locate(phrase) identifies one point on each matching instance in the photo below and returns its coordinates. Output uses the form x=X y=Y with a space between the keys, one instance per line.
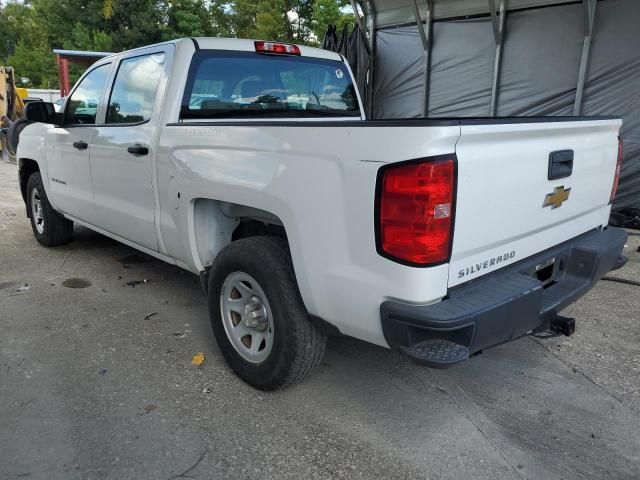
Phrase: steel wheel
x=246 y=316
x=36 y=211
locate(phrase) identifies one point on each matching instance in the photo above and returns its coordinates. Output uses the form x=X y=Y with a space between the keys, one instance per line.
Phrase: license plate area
x=549 y=271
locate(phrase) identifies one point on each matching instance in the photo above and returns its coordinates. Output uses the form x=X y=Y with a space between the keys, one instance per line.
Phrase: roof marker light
x=277 y=48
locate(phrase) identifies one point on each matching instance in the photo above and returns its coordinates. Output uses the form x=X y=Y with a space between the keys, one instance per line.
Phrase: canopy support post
x=371 y=25
x=426 y=39
x=362 y=26
x=63 y=75
x=589 y=21
x=368 y=33
x=498 y=33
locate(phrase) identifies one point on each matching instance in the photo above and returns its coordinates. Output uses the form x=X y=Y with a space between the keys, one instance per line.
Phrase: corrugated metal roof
x=398 y=12
x=81 y=55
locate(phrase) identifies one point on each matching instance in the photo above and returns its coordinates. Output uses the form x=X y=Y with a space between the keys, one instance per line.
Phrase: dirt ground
x=97 y=383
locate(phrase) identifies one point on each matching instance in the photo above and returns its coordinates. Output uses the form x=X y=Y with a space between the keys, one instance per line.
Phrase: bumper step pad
x=437 y=353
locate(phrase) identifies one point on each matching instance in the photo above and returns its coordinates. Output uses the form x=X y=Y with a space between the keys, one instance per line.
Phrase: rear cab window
x=226 y=84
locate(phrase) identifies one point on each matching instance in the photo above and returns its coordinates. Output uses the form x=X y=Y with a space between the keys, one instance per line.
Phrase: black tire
x=13 y=134
x=56 y=230
x=298 y=345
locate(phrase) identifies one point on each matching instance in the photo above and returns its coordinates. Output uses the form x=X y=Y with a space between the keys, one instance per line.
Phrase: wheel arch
x=26 y=168
x=213 y=224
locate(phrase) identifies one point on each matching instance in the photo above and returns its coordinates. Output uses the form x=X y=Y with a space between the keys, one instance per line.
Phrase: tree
x=242 y=16
x=13 y=17
x=31 y=29
x=302 y=21
x=330 y=12
x=188 y=18
x=272 y=21
x=220 y=18
x=27 y=47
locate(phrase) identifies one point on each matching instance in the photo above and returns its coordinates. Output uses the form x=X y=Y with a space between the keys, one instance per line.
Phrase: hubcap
x=247 y=317
x=36 y=211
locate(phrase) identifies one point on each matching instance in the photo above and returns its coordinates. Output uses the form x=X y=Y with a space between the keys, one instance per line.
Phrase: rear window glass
x=251 y=85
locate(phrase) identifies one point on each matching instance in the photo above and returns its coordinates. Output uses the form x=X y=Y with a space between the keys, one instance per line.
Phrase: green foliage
x=188 y=18
x=36 y=63
x=15 y=19
x=31 y=29
x=330 y=12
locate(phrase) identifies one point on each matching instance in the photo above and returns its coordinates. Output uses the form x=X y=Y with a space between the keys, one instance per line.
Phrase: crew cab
x=252 y=164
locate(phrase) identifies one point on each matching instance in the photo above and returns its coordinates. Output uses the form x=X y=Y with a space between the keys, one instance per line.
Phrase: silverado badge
x=557 y=198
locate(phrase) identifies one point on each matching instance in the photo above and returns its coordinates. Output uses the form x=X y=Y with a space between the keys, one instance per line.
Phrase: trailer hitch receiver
x=563 y=325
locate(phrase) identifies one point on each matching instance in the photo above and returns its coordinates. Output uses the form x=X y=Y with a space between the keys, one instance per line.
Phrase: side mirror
x=42 y=112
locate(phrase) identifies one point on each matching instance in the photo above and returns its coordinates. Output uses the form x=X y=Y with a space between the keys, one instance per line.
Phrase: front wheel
x=258 y=317
x=49 y=227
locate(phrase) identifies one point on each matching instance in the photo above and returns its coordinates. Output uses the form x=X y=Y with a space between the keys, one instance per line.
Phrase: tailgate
x=503 y=183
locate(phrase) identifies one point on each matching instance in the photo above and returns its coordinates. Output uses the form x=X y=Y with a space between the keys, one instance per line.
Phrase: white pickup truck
x=252 y=164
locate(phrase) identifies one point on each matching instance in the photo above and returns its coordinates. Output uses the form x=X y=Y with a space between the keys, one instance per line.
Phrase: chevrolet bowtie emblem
x=557 y=198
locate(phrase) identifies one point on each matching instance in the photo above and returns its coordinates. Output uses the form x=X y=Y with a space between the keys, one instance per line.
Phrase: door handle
x=80 y=145
x=560 y=164
x=138 y=149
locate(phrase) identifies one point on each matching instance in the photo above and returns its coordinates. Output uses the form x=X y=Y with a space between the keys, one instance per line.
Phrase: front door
x=122 y=156
x=70 y=146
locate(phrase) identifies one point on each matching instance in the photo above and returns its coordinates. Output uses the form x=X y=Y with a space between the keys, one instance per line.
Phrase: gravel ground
x=97 y=383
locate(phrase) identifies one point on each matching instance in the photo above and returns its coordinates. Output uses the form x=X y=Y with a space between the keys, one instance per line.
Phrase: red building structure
x=80 y=57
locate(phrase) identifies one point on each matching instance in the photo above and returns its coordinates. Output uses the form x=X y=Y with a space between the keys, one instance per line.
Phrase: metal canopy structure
x=80 y=57
x=374 y=15
x=401 y=12
x=479 y=58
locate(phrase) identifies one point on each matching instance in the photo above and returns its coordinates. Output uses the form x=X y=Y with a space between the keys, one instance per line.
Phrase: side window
x=83 y=103
x=134 y=89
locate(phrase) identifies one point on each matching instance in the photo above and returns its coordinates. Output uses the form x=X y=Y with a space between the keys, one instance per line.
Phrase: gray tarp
x=399 y=70
x=540 y=66
x=613 y=85
x=352 y=47
x=461 y=82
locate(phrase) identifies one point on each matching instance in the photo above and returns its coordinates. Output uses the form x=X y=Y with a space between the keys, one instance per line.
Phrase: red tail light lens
x=415 y=211
x=616 y=178
x=277 y=48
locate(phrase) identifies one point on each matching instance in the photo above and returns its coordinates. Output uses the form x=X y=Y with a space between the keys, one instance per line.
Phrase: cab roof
x=247 y=45
x=237 y=44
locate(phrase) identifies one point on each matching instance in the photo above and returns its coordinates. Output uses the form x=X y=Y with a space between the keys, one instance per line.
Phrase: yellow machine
x=11 y=97
x=22 y=92
x=11 y=104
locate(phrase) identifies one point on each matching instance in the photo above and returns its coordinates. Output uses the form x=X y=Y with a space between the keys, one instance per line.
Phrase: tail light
x=415 y=209
x=616 y=178
x=277 y=48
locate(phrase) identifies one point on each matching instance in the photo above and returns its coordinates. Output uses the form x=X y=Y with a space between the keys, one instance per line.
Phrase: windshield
x=252 y=85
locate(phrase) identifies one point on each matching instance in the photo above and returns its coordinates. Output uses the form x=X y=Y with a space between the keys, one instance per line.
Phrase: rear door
x=122 y=151
x=526 y=186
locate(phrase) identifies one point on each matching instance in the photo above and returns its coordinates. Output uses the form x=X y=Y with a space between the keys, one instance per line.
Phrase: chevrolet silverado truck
x=252 y=164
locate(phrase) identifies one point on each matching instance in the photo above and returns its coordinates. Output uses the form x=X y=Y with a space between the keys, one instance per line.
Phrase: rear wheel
x=49 y=227
x=258 y=317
